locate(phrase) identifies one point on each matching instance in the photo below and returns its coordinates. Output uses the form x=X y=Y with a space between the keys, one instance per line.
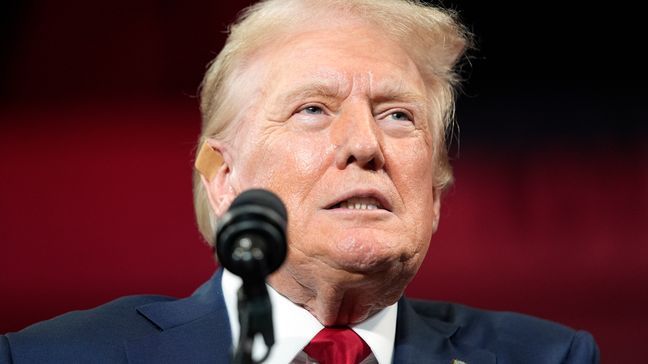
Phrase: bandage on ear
x=207 y=161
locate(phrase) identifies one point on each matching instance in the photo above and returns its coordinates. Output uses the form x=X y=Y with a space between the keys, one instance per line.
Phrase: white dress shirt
x=295 y=327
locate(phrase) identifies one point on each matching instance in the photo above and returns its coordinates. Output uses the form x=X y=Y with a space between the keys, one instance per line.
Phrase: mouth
x=361 y=202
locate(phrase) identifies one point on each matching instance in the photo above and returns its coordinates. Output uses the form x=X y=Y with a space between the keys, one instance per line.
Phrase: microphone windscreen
x=260 y=197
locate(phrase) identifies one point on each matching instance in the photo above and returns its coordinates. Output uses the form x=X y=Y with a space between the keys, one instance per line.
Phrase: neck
x=337 y=297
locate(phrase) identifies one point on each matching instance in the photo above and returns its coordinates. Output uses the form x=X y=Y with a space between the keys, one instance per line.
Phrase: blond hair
x=433 y=38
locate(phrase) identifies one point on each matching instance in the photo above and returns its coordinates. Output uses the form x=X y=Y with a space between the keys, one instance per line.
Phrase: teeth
x=360 y=203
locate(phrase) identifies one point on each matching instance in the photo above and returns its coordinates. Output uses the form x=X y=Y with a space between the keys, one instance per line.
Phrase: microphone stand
x=255 y=317
x=254 y=307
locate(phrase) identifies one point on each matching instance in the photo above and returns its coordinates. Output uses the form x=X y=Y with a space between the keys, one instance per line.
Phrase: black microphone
x=251 y=243
x=251 y=236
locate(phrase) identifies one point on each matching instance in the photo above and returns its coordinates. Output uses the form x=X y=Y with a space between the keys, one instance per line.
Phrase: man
x=339 y=107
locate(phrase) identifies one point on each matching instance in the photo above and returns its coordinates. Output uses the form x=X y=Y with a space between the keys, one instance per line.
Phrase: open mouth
x=360 y=203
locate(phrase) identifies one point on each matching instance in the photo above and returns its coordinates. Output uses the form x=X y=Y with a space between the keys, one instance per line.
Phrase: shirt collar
x=295 y=326
x=379 y=332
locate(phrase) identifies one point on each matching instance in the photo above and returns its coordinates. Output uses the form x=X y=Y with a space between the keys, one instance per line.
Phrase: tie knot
x=335 y=345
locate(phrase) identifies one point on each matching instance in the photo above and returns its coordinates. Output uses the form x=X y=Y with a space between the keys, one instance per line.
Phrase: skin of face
x=332 y=115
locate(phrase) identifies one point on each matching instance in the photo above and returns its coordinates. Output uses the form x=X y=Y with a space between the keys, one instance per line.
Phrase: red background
x=98 y=125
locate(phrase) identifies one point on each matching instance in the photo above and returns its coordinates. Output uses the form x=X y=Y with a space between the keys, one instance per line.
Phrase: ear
x=436 y=209
x=213 y=165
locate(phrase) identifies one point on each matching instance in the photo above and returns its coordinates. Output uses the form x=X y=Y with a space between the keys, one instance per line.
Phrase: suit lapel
x=192 y=330
x=197 y=330
x=427 y=339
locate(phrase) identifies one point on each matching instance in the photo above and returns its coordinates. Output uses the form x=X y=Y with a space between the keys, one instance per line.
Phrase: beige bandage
x=207 y=161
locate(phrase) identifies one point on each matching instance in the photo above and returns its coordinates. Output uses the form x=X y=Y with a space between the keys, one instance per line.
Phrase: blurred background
x=549 y=214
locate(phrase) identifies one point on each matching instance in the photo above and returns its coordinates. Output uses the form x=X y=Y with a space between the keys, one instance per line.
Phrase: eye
x=312 y=110
x=312 y=115
x=400 y=116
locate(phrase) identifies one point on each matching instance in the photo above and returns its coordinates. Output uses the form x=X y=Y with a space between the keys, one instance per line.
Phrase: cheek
x=413 y=176
x=415 y=171
x=302 y=162
x=306 y=156
x=286 y=163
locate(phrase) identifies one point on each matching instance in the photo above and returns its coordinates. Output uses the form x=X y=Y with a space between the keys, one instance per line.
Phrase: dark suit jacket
x=157 y=329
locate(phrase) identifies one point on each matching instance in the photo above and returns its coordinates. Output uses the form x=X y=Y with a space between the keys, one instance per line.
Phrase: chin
x=360 y=255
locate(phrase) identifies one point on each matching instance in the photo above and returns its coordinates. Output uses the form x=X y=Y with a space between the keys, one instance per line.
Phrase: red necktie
x=337 y=345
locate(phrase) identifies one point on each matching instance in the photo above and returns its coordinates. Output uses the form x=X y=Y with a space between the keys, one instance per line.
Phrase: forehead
x=338 y=58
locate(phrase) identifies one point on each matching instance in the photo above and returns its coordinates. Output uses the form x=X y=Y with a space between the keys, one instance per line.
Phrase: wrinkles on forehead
x=334 y=87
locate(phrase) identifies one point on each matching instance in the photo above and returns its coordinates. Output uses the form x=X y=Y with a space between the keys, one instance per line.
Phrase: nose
x=359 y=139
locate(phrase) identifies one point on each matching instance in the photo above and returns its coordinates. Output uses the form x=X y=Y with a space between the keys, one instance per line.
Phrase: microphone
x=251 y=243
x=251 y=236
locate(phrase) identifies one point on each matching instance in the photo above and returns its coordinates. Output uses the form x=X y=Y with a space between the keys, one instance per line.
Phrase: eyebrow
x=317 y=88
x=388 y=92
x=396 y=92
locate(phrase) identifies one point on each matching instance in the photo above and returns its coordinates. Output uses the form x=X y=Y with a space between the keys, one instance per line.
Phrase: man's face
x=338 y=127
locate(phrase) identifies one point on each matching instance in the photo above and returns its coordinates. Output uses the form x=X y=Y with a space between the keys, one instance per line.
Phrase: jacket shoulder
x=512 y=337
x=82 y=335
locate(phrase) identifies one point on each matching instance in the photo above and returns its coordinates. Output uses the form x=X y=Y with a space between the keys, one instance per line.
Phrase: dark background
x=549 y=215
